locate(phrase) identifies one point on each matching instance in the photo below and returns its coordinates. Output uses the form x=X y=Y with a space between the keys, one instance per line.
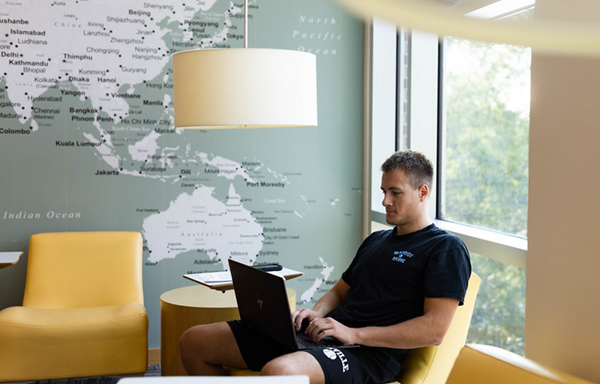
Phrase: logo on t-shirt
x=334 y=353
x=401 y=256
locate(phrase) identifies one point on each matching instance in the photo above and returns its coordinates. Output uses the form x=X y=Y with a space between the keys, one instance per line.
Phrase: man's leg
x=297 y=363
x=206 y=348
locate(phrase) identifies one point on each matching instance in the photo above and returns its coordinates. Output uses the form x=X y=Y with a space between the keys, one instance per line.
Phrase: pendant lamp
x=244 y=87
x=572 y=30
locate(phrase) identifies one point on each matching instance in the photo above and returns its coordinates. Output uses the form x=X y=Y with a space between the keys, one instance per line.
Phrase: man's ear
x=423 y=192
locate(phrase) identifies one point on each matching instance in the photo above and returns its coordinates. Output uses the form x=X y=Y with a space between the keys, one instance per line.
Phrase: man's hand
x=329 y=301
x=320 y=328
x=303 y=315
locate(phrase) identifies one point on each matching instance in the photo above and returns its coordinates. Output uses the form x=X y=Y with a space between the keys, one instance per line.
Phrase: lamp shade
x=573 y=31
x=244 y=88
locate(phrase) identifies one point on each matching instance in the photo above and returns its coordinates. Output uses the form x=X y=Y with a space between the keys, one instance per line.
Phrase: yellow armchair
x=428 y=365
x=432 y=365
x=83 y=309
x=478 y=364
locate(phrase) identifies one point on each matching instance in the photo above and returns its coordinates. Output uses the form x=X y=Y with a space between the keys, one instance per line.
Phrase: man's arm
x=421 y=331
x=329 y=301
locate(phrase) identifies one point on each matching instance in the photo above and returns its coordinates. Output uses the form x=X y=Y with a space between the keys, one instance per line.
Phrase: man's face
x=403 y=204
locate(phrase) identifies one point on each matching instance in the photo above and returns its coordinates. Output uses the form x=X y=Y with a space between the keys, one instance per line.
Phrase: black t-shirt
x=391 y=275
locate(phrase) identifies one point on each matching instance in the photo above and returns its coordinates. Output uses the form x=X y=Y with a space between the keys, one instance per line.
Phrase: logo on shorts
x=334 y=353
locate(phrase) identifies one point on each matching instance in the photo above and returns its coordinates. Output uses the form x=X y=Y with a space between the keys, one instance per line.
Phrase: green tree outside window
x=486 y=166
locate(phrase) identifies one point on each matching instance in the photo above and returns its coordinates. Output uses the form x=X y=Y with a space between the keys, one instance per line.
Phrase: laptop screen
x=263 y=303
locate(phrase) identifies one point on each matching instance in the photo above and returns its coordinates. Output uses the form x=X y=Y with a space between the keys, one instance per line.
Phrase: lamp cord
x=245 y=23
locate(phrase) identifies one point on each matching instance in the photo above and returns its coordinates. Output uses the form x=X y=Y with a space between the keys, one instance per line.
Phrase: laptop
x=263 y=304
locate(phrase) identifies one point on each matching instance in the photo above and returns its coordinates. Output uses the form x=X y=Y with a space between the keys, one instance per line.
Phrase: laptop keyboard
x=305 y=342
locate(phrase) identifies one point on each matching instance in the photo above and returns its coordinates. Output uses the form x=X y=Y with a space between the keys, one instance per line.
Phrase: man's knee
x=188 y=337
x=192 y=342
x=279 y=367
x=298 y=363
x=205 y=348
x=188 y=343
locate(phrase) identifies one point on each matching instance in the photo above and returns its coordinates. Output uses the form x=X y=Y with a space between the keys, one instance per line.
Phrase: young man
x=399 y=293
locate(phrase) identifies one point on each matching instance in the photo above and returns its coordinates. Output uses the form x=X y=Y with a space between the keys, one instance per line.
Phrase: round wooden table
x=182 y=308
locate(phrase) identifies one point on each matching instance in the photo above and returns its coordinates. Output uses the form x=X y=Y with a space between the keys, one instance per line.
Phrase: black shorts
x=344 y=365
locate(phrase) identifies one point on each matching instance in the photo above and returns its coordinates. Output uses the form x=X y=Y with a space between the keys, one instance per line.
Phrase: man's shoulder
x=383 y=233
x=437 y=231
x=441 y=237
x=377 y=237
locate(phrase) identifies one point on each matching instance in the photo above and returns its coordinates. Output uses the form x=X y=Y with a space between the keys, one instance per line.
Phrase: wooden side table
x=185 y=307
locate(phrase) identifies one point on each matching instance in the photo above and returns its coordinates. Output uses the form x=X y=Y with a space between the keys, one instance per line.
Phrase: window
x=485 y=131
x=499 y=314
x=483 y=172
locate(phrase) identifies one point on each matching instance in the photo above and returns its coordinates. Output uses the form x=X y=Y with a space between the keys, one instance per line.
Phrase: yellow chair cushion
x=74 y=342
